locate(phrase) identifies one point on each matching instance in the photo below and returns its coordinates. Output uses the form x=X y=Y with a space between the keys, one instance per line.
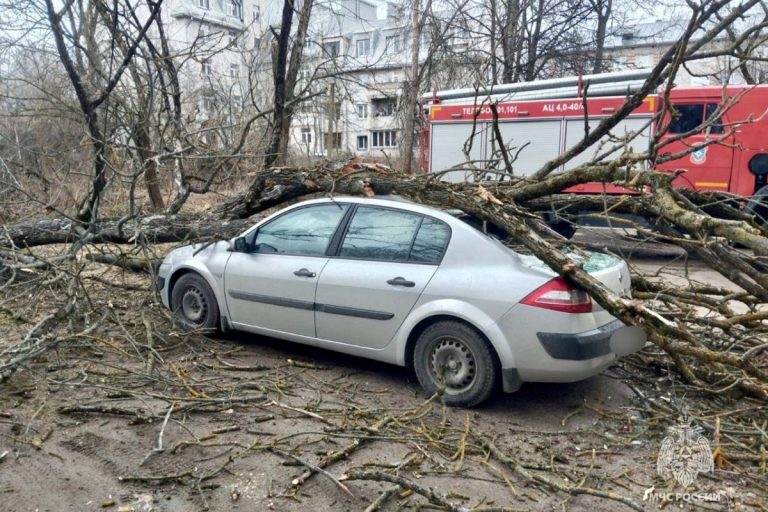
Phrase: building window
x=644 y=61
x=206 y=69
x=208 y=104
x=306 y=136
x=331 y=48
x=233 y=42
x=426 y=39
x=383 y=107
x=232 y=8
x=363 y=47
x=393 y=44
x=204 y=4
x=362 y=110
x=461 y=33
x=256 y=12
x=362 y=142
x=203 y=32
x=336 y=140
x=256 y=41
x=234 y=70
x=384 y=139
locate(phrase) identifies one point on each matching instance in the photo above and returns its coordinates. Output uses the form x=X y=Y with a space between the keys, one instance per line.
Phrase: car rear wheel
x=194 y=304
x=455 y=358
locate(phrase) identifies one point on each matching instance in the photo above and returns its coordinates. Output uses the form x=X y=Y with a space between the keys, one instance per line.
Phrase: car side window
x=430 y=242
x=304 y=232
x=380 y=234
x=687 y=118
x=717 y=126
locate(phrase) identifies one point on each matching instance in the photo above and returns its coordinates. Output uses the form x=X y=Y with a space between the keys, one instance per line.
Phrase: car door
x=272 y=285
x=384 y=262
x=709 y=166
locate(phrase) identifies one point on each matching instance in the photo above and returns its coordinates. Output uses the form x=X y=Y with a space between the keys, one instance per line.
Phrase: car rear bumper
x=579 y=346
x=553 y=347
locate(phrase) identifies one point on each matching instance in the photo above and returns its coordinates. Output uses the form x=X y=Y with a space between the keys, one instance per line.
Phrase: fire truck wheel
x=757 y=205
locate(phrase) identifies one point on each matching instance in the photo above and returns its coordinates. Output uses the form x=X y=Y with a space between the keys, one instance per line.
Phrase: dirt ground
x=139 y=418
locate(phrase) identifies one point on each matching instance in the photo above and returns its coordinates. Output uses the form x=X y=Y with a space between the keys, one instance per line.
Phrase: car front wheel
x=194 y=304
x=455 y=358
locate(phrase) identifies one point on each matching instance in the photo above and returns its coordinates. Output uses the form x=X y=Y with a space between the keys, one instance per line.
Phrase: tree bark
x=510 y=37
x=409 y=106
x=284 y=76
x=603 y=10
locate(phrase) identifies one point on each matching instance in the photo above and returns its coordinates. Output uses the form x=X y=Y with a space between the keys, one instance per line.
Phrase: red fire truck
x=540 y=120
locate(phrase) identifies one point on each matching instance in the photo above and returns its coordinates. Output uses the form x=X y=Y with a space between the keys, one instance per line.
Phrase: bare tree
x=92 y=95
x=285 y=72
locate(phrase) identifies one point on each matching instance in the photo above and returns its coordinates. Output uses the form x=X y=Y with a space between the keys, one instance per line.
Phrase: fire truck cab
x=737 y=160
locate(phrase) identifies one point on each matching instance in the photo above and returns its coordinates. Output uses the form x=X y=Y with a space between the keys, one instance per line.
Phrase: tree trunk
x=510 y=37
x=279 y=68
x=603 y=11
x=285 y=75
x=144 y=148
x=410 y=98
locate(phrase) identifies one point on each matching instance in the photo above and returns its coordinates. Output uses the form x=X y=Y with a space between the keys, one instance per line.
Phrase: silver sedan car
x=405 y=284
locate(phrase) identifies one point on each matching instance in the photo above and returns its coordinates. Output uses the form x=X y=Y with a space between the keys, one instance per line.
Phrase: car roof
x=389 y=201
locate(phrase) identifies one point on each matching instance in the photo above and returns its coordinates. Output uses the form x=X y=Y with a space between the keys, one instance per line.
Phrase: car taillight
x=558 y=295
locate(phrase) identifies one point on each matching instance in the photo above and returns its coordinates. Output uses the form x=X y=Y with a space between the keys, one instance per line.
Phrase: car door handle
x=302 y=272
x=401 y=281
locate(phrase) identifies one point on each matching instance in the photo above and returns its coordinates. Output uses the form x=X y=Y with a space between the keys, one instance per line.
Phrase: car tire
x=194 y=305
x=454 y=358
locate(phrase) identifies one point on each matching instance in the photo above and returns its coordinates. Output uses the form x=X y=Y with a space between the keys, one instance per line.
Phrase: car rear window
x=487 y=228
x=380 y=234
x=391 y=235
x=430 y=241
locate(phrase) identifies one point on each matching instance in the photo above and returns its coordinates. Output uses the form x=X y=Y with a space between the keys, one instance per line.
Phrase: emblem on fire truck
x=699 y=156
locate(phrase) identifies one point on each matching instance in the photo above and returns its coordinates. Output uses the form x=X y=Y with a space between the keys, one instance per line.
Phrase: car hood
x=186 y=252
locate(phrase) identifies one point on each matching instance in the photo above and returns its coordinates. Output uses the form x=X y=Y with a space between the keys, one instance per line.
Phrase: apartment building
x=213 y=40
x=360 y=60
x=642 y=45
x=351 y=50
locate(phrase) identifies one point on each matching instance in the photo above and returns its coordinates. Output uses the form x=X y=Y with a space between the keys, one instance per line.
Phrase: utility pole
x=331 y=119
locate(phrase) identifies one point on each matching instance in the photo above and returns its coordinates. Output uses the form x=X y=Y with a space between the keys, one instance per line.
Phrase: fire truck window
x=688 y=117
x=717 y=126
x=758 y=164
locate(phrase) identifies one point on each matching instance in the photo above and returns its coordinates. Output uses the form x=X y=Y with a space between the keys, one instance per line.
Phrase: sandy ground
x=244 y=408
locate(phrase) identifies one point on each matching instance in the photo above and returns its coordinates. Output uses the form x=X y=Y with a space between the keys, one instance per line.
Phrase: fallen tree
x=70 y=317
x=691 y=341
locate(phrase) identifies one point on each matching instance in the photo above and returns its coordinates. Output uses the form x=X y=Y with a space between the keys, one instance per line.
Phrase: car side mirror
x=241 y=244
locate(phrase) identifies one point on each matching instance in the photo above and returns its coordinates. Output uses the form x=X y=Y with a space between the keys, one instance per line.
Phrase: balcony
x=192 y=10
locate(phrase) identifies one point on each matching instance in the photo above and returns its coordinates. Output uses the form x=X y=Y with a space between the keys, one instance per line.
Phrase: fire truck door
x=707 y=166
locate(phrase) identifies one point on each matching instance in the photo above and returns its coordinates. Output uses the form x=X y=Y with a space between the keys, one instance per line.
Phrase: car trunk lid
x=609 y=270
